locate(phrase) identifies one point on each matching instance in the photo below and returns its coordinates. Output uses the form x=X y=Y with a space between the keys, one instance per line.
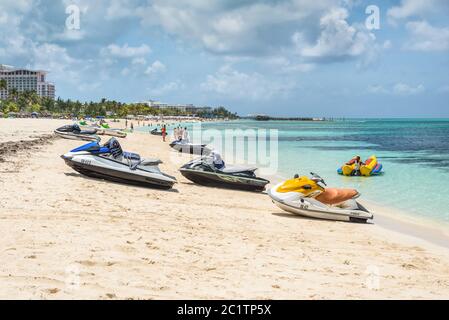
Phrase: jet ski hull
x=156 y=133
x=108 y=169
x=311 y=208
x=111 y=132
x=190 y=148
x=223 y=180
x=74 y=136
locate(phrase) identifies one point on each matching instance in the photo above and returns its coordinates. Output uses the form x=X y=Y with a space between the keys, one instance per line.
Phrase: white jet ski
x=310 y=198
x=191 y=148
x=110 y=162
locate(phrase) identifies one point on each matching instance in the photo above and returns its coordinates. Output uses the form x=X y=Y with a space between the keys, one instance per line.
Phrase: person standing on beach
x=164 y=132
x=132 y=127
x=185 y=135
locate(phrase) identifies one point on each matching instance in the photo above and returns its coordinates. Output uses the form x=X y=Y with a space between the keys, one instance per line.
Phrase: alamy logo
x=73 y=21
x=372 y=22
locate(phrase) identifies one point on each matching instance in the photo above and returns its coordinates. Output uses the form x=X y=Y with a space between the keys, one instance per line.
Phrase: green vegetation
x=29 y=101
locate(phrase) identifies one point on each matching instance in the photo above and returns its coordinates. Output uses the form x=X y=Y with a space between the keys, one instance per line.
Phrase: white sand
x=65 y=236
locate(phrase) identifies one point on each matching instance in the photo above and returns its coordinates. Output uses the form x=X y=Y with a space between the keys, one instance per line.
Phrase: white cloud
x=156 y=67
x=405 y=89
x=235 y=28
x=125 y=72
x=238 y=85
x=399 y=88
x=337 y=40
x=425 y=37
x=408 y=8
x=283 y=65
x=377 y=89
x=166 y=88
x=415 y=8
x=126 y=51
x=139 y=60
x=118 y=9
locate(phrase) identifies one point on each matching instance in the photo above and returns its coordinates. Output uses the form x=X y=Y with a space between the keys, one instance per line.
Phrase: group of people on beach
x=181 y=133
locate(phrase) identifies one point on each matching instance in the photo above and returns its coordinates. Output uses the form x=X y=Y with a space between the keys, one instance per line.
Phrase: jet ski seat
x=74 y=128
x=238 y=169
x=333 y=196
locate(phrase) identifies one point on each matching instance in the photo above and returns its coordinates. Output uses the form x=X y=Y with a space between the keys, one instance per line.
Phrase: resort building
x=25 y=80
x=187 y=108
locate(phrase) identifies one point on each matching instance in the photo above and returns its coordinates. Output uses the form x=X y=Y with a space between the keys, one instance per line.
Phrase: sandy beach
x=65 y=236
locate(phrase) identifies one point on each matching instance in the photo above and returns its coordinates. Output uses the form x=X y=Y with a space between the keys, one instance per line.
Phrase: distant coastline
x=271 y=118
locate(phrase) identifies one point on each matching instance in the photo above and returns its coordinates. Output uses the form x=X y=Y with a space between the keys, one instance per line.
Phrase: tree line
x=30 y=101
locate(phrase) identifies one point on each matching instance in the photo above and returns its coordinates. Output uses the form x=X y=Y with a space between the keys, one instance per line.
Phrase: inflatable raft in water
x=371 y=167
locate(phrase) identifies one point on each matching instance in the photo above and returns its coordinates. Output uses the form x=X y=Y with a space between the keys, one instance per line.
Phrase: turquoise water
x=414 y=154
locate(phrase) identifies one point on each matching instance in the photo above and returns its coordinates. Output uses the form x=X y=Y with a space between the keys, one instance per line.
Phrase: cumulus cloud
x=425 y=37
x=235 y=27
x=405 y=89
x=127 y=51
x=155 y=67
x=376 y=89
x=166 y=88
x=400 y=88
x=239 y=85
x=410 y=8
x=337 y=39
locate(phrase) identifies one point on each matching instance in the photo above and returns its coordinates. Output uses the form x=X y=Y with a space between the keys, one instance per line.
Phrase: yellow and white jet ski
x=310 y=197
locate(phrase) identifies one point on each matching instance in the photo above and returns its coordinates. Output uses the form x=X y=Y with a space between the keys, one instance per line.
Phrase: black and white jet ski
x=310 y=197
x=110 y=162
x=155 y=132
x=203 y=171
x=74 y=132
x=190 y=148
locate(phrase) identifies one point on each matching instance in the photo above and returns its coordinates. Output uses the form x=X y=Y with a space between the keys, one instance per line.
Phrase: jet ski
x=310 y=197
x=110 y=162
x=191 y=148
x=110 y=132
x=74 y=132
x=104 y=129
x=203 y=171
x=155 y=132
x=371 y=167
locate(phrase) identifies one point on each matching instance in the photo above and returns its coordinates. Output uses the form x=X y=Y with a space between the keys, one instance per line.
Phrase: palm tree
x=14 y=93
x=3 y=84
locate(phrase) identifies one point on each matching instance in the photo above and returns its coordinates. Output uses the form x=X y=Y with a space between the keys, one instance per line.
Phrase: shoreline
x=391 y=218
x=138 y=243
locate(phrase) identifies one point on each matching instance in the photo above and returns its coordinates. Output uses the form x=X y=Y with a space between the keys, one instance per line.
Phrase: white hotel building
x=25 y=80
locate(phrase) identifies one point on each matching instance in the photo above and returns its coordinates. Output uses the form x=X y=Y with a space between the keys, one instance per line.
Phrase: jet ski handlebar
x=317 y=178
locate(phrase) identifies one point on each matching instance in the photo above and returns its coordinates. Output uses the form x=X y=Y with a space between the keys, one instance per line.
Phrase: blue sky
x=285 y=57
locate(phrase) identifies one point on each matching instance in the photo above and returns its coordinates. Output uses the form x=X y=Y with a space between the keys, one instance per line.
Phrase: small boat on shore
x=156 y=132
x=74 y=132
x=191 y=148
x=202 y=171
x=111 y=132
x=309 y=197
x=110 y=162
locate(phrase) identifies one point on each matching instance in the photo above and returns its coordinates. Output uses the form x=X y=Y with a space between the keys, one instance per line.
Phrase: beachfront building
x=185 y=108
x=25 y=80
